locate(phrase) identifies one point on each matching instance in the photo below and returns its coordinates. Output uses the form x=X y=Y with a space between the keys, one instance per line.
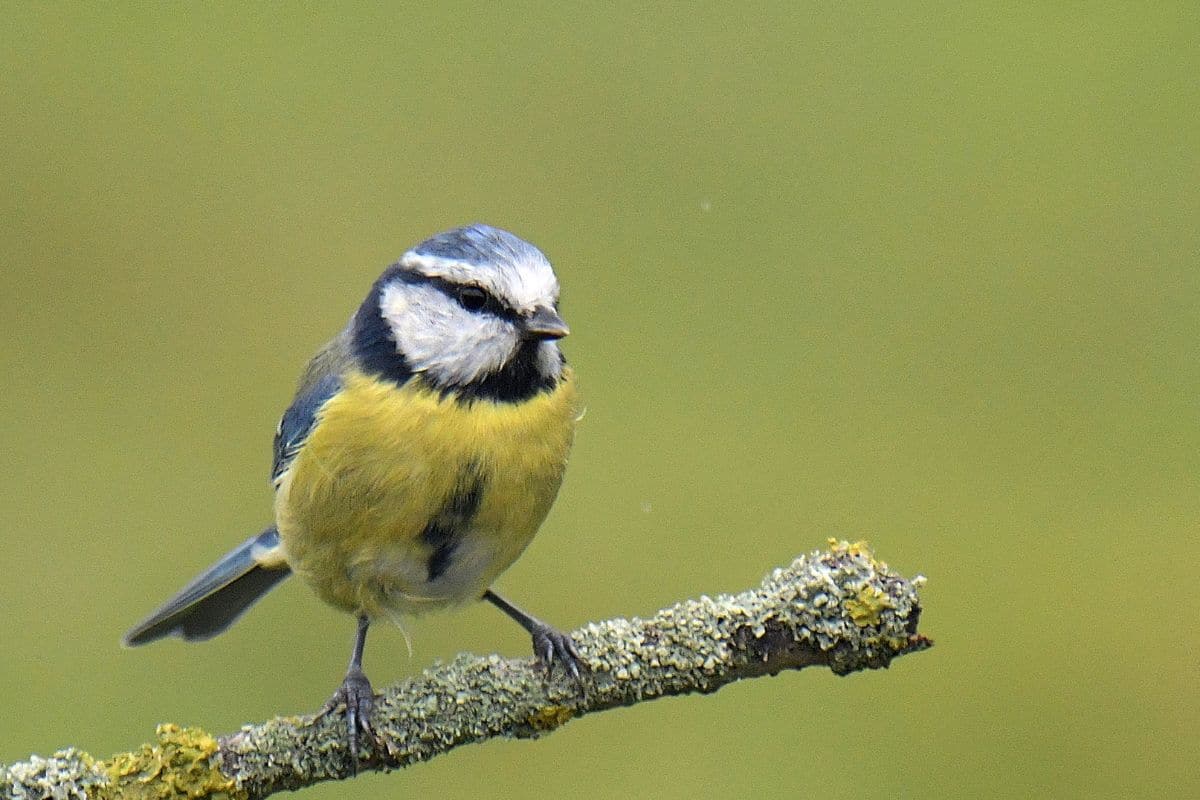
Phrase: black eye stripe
x=455 y=291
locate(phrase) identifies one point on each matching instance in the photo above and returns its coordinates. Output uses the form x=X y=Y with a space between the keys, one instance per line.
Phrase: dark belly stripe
x=444 y=532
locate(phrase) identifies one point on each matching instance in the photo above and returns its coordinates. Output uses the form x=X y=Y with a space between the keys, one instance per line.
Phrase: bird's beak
x=545 y=323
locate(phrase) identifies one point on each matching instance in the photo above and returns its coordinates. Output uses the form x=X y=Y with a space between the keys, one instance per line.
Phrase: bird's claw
x=550 y=645
x=356 y=696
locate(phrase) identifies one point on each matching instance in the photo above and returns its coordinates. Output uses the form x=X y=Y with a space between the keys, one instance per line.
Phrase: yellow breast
x=404 y=500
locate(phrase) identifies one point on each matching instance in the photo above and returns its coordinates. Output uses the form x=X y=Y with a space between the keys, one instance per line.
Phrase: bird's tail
x=219 y=595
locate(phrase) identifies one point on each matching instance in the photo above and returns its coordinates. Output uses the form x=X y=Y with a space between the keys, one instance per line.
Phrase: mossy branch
x=840 y=608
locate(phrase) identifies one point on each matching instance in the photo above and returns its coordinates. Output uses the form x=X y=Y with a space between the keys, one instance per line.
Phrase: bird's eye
x=472 y=298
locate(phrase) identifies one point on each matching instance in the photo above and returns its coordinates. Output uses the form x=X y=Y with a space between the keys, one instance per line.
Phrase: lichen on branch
x=840 y=608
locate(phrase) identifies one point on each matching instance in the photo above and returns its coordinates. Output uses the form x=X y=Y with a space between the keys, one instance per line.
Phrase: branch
x=841 y=609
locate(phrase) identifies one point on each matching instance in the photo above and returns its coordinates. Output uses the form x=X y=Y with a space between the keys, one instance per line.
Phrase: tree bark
x=840 y=608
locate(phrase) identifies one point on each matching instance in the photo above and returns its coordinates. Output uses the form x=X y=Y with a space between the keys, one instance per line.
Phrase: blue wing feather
x=298 y=421
x=223 y=592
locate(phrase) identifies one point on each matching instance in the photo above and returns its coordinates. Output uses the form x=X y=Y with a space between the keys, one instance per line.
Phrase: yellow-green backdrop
x=927 y=274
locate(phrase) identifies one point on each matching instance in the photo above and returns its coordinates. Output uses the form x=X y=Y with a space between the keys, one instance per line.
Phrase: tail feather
x=219 y=595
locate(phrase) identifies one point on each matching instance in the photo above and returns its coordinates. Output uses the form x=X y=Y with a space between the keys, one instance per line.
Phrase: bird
x=422 y=451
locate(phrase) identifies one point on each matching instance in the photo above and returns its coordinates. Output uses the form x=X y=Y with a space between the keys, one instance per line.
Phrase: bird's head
x=473 y=311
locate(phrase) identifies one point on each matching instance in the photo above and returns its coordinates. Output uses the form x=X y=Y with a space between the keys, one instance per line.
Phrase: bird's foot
x=356 y=696
x=551 y=644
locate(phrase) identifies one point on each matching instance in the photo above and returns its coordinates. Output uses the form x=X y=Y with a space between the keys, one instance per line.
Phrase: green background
x=927 y=275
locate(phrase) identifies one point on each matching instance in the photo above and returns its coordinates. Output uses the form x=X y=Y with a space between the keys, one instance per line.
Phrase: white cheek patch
x=438 y=336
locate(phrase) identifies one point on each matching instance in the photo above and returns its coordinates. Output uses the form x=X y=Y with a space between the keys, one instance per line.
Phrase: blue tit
x=423 y=449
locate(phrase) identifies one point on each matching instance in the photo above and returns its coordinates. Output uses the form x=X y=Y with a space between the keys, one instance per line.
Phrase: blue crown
x=479 y=244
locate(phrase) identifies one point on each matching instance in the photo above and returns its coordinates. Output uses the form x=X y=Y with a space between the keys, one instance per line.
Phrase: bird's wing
x=321 y=381
x=298 y=420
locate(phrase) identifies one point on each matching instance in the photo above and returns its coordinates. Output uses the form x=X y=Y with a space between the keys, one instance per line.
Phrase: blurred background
x=927 y=277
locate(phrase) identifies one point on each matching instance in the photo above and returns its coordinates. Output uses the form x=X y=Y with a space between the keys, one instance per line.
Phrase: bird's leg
x=355 y=695
x=549 y=643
